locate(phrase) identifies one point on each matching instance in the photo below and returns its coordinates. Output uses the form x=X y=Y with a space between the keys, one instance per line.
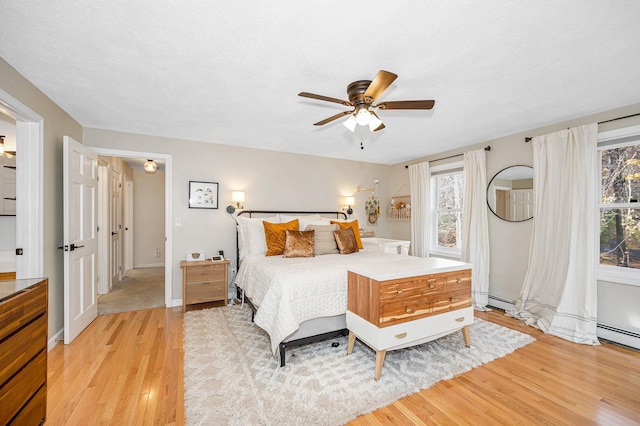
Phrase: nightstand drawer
x=206 y=292
x=198 y=274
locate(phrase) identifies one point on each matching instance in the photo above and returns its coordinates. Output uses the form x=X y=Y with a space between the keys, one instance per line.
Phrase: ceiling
x=229 y=72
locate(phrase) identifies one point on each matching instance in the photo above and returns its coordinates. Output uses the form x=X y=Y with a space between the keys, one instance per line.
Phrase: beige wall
x=57 y=123
x=271 y=181
x=148 y=219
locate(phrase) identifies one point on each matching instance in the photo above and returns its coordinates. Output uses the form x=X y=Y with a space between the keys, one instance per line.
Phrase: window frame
x=626 y=136
x=434 y=248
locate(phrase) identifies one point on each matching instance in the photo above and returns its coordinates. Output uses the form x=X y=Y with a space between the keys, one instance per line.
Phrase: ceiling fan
x=362 y=95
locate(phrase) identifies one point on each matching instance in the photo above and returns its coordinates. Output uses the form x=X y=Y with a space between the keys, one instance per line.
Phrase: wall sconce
x=349 y=201
x=150 y=166
x=237 y=197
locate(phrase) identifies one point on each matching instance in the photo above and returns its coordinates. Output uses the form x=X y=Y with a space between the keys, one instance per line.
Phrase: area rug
x=231 y=377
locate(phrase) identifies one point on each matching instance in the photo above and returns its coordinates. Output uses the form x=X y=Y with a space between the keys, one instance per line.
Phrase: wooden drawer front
x=24 y=307
x=458 y=279
x=414 y=287
x=35 y=411
x=450 y=301
x=404 y=309
x=198 y=274
x=17 y=392
x=19 y=348
x=206 y=292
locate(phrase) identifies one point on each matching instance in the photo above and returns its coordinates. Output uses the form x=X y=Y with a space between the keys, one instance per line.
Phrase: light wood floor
x=126 y=369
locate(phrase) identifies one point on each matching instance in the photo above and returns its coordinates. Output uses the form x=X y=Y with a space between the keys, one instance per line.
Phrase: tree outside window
x=620 y=207
x=449 y=188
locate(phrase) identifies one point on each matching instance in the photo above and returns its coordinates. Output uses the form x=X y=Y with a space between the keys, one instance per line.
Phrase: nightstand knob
x=399 y=292
x=459 y=280
x=432 y=286
x=408 y=310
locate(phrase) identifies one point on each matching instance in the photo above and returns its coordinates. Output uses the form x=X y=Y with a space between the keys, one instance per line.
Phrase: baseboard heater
x=613 y=334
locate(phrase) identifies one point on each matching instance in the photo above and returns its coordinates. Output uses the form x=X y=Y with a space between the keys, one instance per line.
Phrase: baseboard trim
x=58 y=337
x=174 y=303
x=619 y=336
x=149 y=265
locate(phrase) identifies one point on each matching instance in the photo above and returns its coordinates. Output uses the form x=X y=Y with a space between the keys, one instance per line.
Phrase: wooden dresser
x=395 y=305
x=204 y=281
x=23 y=351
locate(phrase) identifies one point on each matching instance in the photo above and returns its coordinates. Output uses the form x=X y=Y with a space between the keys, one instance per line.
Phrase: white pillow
x=305 y=220
x=251 y=238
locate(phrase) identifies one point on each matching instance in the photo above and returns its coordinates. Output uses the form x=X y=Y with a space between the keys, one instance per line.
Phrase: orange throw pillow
x=276 y=237
x=353 y=225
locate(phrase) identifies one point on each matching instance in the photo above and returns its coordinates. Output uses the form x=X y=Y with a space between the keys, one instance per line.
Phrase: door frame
x=168 y=218
x=29 y=184
x=127 y=222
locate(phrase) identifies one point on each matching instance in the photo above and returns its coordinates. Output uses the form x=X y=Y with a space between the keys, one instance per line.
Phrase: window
x=619 y=247
x=447 y=188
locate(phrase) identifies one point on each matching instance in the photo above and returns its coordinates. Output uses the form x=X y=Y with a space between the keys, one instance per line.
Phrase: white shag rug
x=230 y=376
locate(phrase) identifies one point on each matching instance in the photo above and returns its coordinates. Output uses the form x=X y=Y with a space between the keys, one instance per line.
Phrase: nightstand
x=204 y=281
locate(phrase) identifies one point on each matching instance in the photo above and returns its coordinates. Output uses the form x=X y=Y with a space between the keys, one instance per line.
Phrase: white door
x=116 y=226
x=80 y=239
x=521 y=204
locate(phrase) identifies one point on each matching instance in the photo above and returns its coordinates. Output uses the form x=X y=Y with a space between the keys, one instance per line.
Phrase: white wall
x=271 y=180
x=148 y=219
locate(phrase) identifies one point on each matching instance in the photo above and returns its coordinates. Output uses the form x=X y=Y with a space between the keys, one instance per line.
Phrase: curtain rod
x=486 y=148
x=528 y=139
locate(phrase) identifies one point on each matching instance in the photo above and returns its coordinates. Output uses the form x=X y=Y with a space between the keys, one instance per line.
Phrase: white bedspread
x=289 y=291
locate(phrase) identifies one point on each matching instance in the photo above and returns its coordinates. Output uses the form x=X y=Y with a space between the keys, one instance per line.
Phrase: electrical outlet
x=157 y=252
x=233 y=271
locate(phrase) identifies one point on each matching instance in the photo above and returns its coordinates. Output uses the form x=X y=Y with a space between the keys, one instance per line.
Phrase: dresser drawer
x=404 y=309
x=206 y=292
x=198 y=274
x=20 y=347
x=450 y=300
x=414 y=287
x=24 y=307
x=15 y=394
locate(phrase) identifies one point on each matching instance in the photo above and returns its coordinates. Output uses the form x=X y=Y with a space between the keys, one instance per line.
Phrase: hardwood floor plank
x=127 y=368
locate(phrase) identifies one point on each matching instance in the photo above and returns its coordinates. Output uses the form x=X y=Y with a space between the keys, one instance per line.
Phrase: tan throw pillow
x=275 y=235
x=346 y=240
x=324 y=242
x=353 y=225
x=298 y=244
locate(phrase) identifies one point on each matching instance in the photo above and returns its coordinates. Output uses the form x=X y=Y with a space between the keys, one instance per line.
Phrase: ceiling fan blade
x=378 y=85
x=406 y=105
x=324 y=98
x=381 y=126
x=333 y=117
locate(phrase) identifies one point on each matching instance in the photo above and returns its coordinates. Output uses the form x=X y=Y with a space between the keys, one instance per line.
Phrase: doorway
x=134 y=211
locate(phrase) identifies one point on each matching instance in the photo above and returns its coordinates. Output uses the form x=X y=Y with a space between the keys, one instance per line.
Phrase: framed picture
x=203 y=195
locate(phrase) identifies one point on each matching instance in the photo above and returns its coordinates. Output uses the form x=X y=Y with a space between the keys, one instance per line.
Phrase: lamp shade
x=350 y=123
x=349 y=201
x=237 y=196
x=150 y=166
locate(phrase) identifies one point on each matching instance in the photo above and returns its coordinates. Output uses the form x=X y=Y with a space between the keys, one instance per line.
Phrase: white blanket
x=289 y=291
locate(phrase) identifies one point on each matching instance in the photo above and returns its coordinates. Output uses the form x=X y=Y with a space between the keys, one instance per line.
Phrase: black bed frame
x=306 y=340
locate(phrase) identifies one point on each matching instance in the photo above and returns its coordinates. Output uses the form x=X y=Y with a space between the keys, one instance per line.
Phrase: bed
x=296 y=300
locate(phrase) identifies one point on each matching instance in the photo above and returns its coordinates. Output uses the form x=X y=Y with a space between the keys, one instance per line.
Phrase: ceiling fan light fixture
x=363 y=116
x=2 y=144
x=351 y=123
x=150 y=166
x=374 y=123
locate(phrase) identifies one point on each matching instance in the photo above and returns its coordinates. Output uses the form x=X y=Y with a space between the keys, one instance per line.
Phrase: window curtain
x=559 y=291
x=475 y=226
x=419 y=181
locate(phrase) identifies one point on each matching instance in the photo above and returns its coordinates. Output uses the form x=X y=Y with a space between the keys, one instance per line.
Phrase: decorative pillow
x=353 y=225
x=324 y=241
x=298 y=244
x=346 y=240
x=275 y=235
x=306 y=220
x=251 y=235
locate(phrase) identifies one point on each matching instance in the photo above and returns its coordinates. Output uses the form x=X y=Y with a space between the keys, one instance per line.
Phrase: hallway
x=141 y=288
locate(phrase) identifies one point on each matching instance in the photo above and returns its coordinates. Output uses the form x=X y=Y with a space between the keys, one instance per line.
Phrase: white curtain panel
x=559 y=291
x=419 y=188
x=475 y=226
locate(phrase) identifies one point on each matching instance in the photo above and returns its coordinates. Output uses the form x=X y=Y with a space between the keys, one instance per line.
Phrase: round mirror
x=510 y=194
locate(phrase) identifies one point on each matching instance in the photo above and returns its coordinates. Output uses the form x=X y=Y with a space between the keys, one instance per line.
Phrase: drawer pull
x=399 y=292
x=401 y=335
x=459 y=280
x=460 y=319
x=408 y=310
x=453 y=299
x=432 y=286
